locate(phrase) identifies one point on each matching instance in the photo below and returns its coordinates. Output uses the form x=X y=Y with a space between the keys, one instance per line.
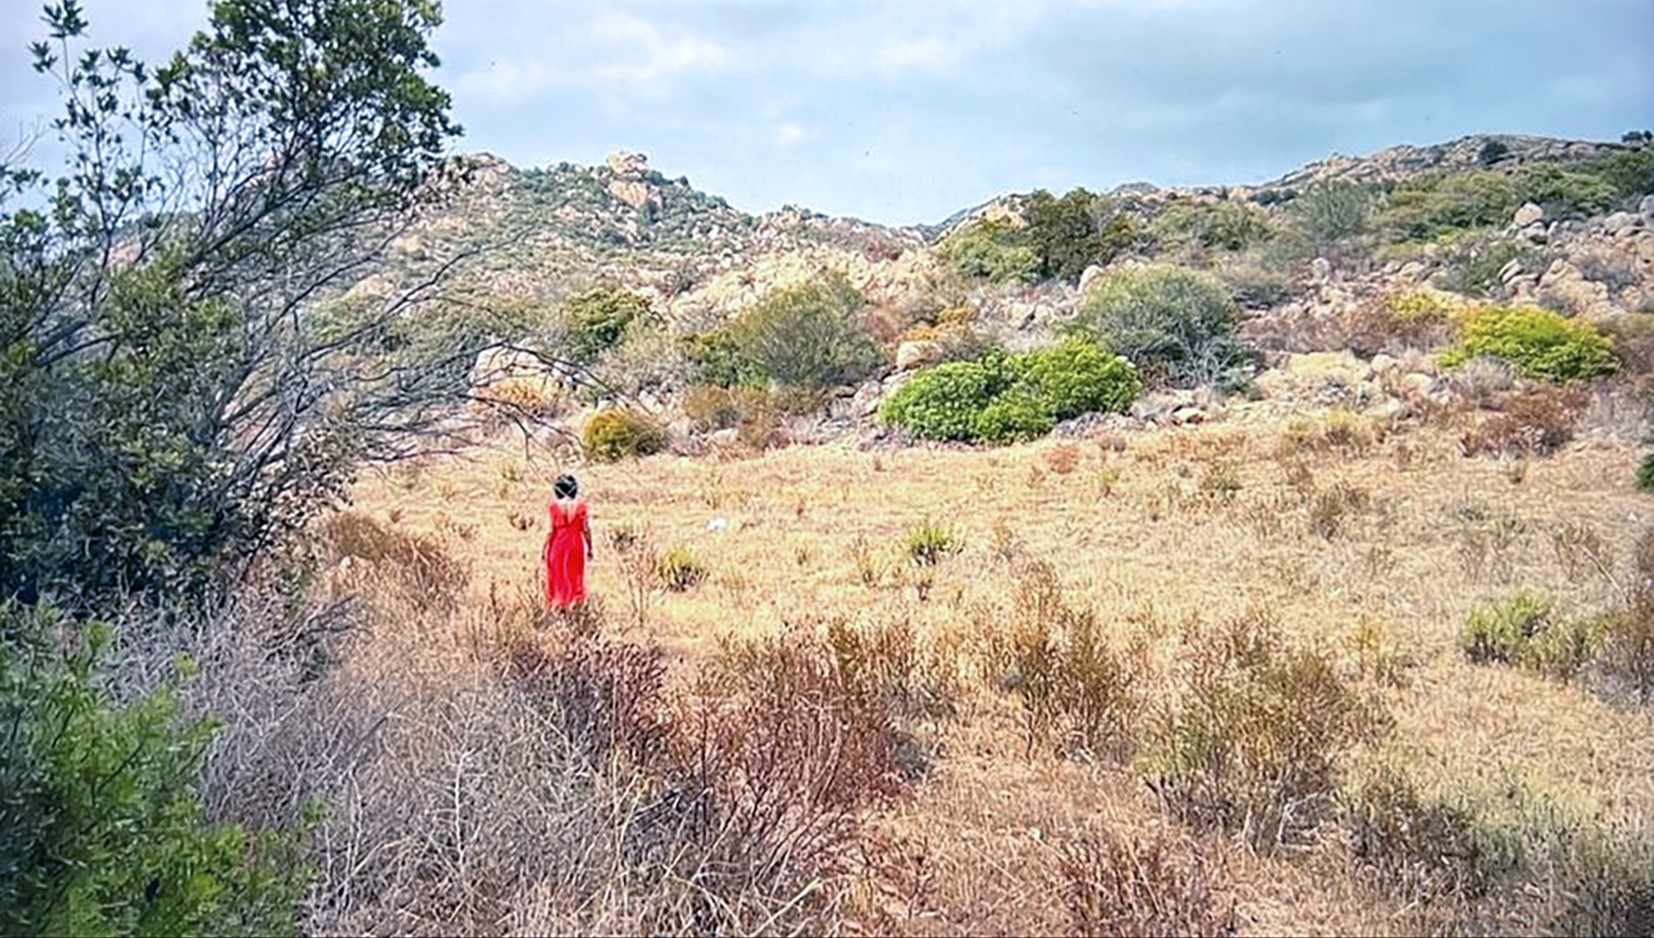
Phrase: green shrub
x=1076 y=377
x=990 y=248
x=1473 y=268
x=1565 y=193
x=1225 y=226
x=615 y=433
x=1017 y=415
x=803 y=336
x=1499 y=630
x=1629 y=171
x=597 y=318
x=942 y=403
x=1000 y=398
x=1524 y=630
x=1537 y=343
x=1177 y=322
x=928 y=542
x=104 y=833
x=1433 y=204
x=679 y=569
x=1645 y=473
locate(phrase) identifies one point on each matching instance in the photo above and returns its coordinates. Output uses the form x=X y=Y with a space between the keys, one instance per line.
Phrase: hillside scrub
x=597 y=319
x=1002 y=398
x=1434 y=204
x=1538 y=343
x=805 y=336
x=1175 y=324
x=615 y=433
x=990 y=249
x=1331 y=212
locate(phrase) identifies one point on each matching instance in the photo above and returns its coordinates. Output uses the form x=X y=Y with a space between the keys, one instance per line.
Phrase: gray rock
x=1527 y=215
x=1645 y=208
x=917 y=354
x=1620 y=221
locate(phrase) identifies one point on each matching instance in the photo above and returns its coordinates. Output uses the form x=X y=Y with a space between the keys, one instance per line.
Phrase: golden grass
x=796 y=535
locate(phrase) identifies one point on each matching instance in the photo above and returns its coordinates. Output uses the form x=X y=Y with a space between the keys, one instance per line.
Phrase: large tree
x=182 y=375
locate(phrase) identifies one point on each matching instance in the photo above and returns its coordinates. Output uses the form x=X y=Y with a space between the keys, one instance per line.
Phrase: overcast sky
x=908 y=111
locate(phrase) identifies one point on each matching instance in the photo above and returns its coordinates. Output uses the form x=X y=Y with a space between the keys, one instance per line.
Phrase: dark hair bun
x=565 y=486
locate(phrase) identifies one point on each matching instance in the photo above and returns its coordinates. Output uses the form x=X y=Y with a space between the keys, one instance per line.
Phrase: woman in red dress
x=568 y=546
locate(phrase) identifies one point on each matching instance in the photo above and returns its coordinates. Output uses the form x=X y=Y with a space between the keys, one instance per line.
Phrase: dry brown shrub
x=420 y=564
x=1250 y=741
x=1076 y=691
x=1117 y=886
x=1531 y=423
x=1062 y=458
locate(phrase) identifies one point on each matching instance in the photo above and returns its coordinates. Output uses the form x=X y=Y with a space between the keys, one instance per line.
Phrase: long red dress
x=565 y=556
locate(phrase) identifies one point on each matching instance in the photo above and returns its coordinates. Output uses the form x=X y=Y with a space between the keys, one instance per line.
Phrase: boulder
x=1412 y=271
x=1620 y=221
x=917 y=354
x=1089 y=277
x=1645 y=208
x=1417 y=384
x=1320 y=269
x=1528 y=214
x=1384 y=364
x=1188 y=415
x=729 y=436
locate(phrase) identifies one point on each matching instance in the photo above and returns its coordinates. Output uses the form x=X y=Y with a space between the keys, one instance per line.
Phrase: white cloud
x=788 y=134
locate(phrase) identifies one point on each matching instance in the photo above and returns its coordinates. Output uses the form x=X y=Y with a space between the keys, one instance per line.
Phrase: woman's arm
x=586 y=532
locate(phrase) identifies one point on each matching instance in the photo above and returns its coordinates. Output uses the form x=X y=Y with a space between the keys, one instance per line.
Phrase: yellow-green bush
x=1538 y=343
x=613 y=434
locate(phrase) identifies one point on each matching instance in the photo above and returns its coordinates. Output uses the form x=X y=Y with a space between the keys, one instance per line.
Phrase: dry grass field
x=1056 y=627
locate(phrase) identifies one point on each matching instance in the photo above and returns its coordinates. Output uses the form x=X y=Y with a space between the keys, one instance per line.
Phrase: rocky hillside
x=1565 y=225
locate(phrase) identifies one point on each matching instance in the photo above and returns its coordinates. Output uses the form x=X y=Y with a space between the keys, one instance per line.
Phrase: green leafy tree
x=1070 y=233
x=1169 y=320
x=101 y=832
x=173 y=395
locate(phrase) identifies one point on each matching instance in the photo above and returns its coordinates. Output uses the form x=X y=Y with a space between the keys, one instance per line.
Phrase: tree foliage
x=172 y=394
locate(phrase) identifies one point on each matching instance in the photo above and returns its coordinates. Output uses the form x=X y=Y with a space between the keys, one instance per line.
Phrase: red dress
x=565 y=556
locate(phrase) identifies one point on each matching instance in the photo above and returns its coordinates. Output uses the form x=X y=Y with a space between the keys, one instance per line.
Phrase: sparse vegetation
x=805 y=336
x=598 y=318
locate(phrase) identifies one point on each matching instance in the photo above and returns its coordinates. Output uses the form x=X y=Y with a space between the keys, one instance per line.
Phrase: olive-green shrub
x=1171 y=321
x=613 y=434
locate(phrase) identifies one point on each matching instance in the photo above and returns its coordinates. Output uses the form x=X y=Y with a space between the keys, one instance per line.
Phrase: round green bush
x=1077 y=377
x=613 y=434
x=1538 y=343
x=1002 y=398
x=1162 y=318
x=1018 y=414
x=942 y=403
